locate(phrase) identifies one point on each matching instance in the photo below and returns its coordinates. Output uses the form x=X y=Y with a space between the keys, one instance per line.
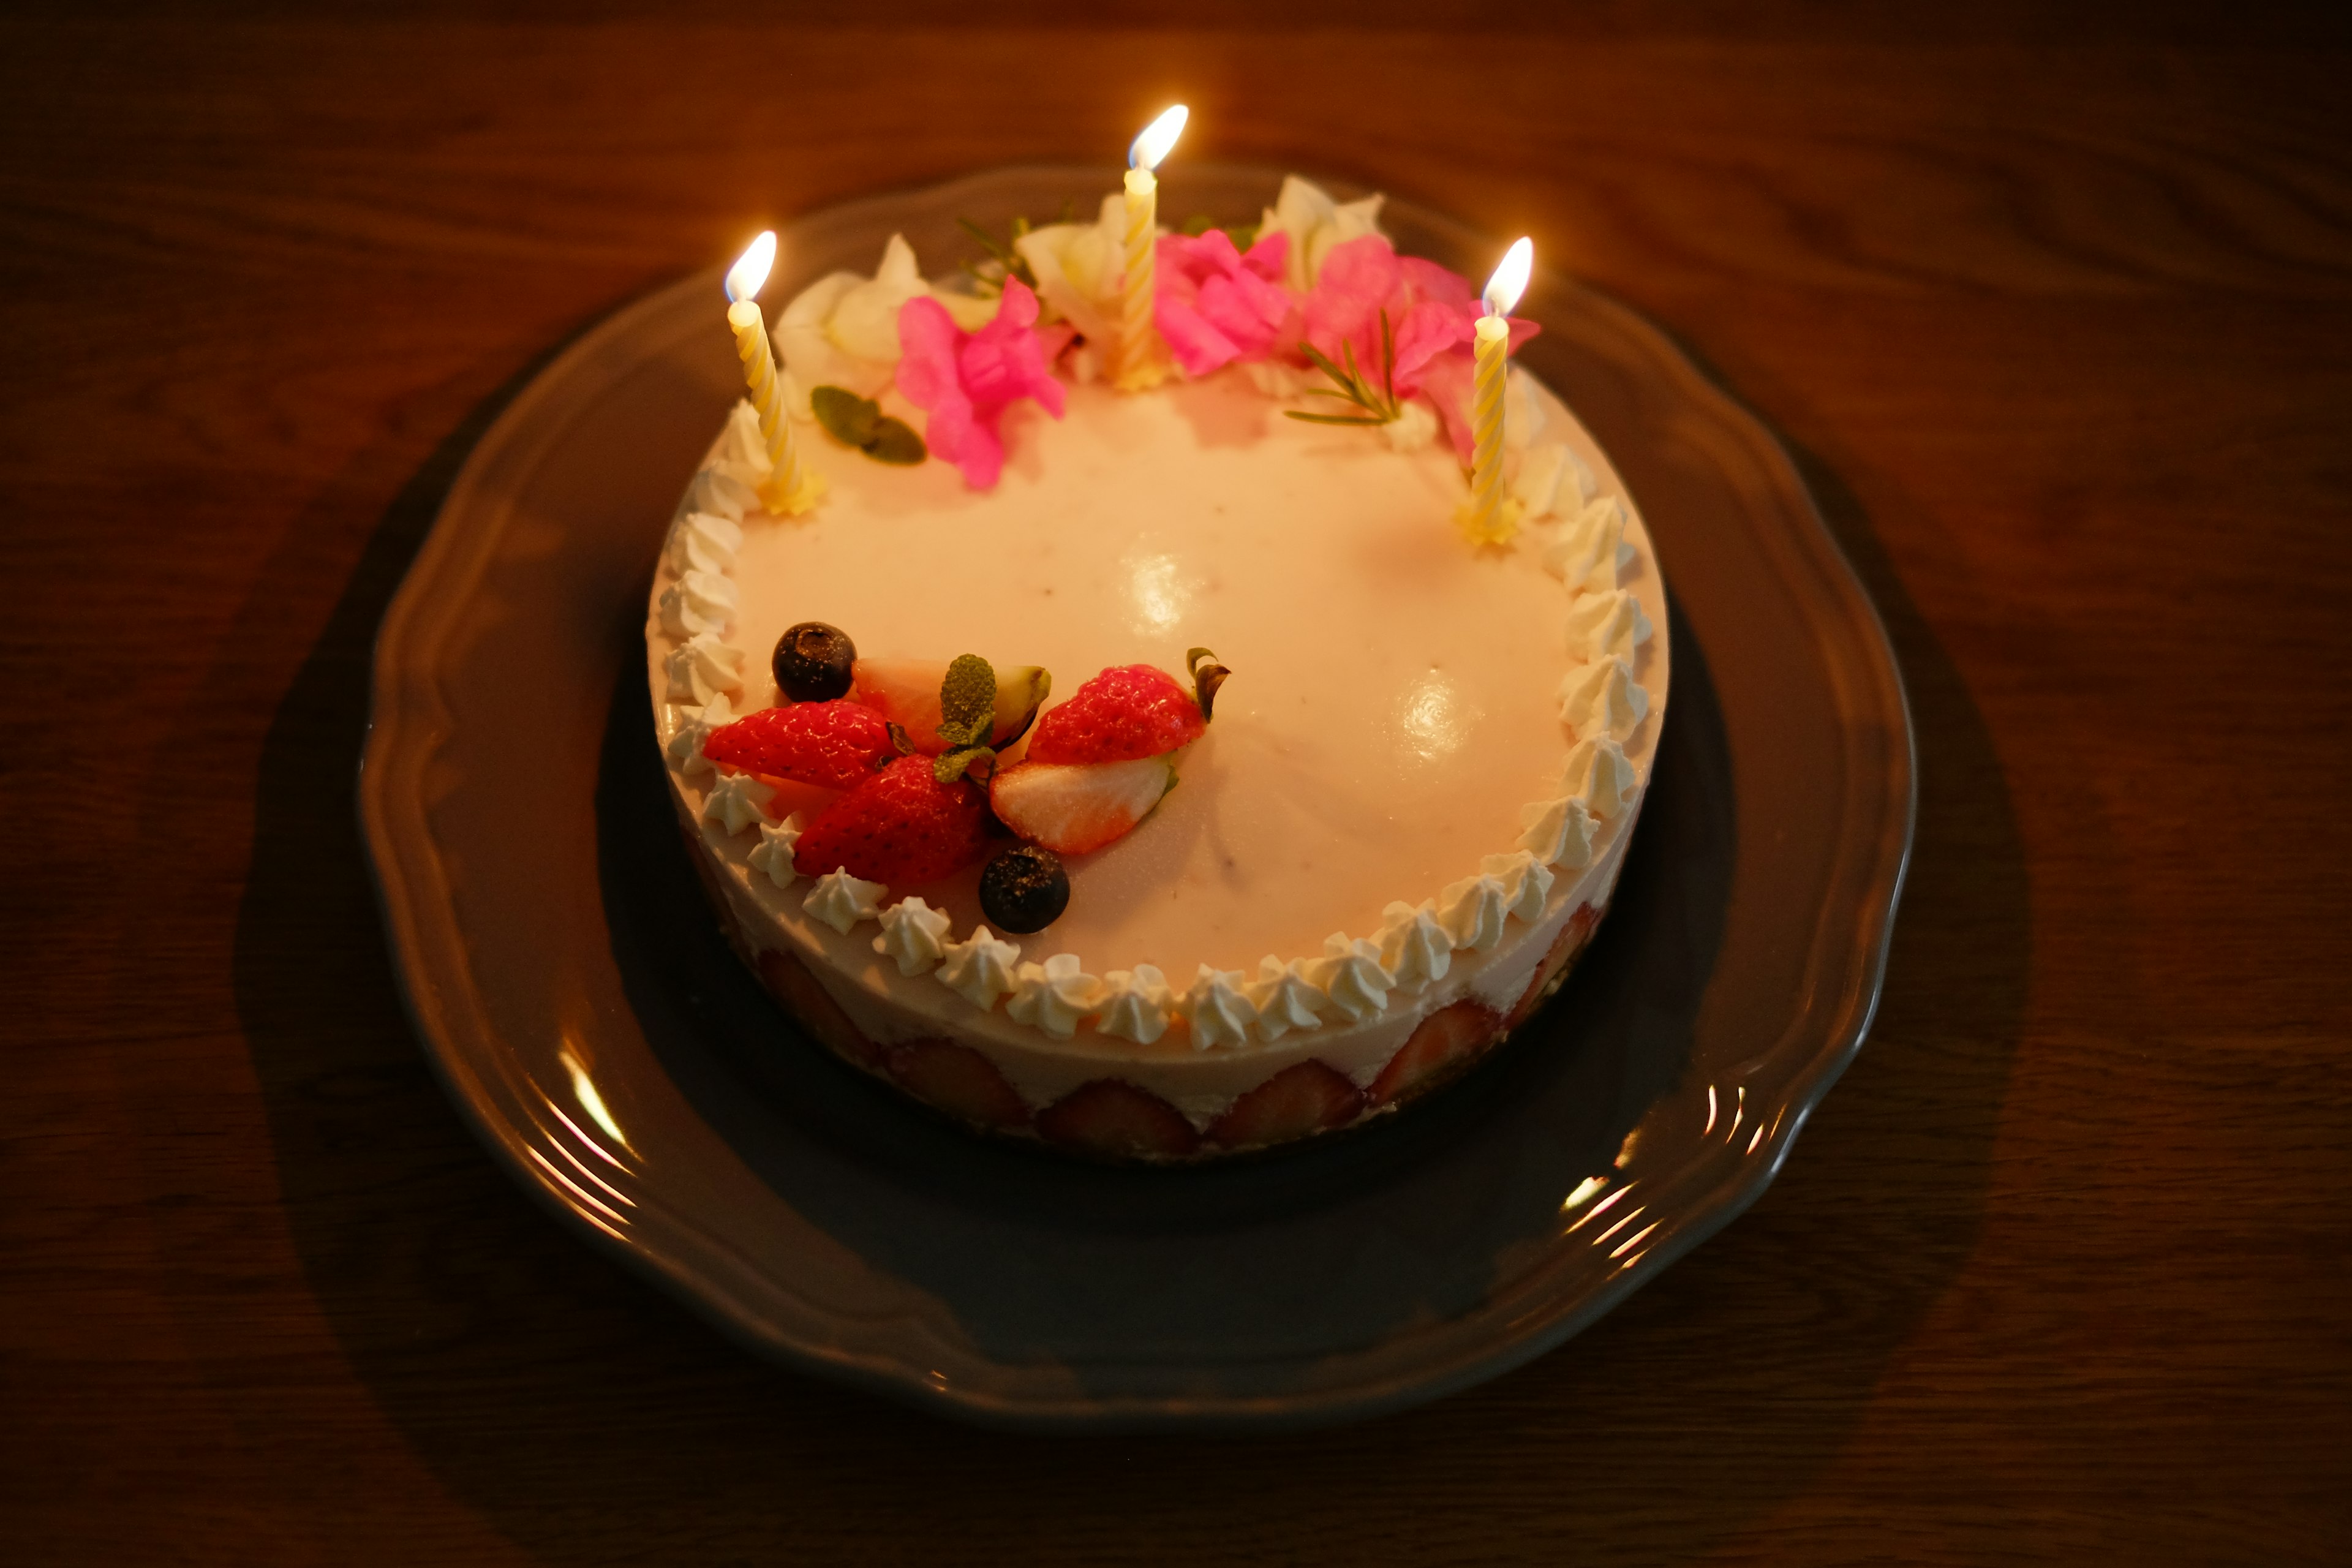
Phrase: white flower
x=1078 y=267
x=1316 y=223
x=843 y=329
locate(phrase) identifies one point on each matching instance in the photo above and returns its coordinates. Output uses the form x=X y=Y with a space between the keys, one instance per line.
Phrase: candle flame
x=1157 y=137
x=750 y=272
x=1510 y=279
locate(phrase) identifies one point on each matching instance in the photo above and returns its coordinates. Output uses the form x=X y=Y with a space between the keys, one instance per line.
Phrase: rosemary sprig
x=1379 y=408
x=1005 y=257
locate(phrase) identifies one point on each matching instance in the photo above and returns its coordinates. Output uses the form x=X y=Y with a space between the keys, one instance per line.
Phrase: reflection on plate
x=570 y=984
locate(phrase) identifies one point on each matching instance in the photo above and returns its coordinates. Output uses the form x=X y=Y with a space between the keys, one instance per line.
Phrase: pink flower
x=1431 y=315
x=965 y=381
x=1213 y=305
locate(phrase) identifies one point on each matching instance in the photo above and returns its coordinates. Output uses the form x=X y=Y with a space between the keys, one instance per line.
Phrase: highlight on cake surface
x=901 y=839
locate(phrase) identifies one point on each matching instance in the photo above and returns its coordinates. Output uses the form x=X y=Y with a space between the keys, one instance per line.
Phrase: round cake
x=1312 y=787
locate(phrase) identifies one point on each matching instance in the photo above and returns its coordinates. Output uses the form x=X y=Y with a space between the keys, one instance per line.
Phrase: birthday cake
x=1157 y=732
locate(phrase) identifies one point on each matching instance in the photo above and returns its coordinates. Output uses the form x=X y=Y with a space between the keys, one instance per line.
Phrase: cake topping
x=967 y=380
x=1072 y=807
x=859 y=422
x=704 y=542
x=843 y=329
x=1526 y=882
x=1135 y=1005
x=1472 y=910
x=1600 y=625
x=1124 y=714
x=1558 y=832
x=909 y=693
x=830 y=745
x=1053 y=995
x=1552 y=480
x=900 y=826
x=840 y=901
x=722 y=491
x=684 y=747
x=1351 y=975
x=1414 y=947
x=697 y=602
x=1024 y=889
x=1602 y=698
x=702 y=667
x=737 y=801
x=1584 y=552
x=979 y=968
x=1285 y=999
x=774 y=853
x=1219 y=1008
x=1599 y=775
x=812 y=662
x=913 y=935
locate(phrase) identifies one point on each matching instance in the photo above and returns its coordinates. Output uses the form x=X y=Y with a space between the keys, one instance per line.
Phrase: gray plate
x=575 y=993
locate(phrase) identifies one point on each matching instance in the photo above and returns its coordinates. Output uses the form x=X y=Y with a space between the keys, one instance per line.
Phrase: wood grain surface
x=2056 y=307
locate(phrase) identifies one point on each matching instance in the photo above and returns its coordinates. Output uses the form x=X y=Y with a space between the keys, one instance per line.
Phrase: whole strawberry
x=834 y=744
x=900 y=826
x=1123 y=715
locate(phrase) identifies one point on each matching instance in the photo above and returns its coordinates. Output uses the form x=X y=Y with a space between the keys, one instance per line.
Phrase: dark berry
x=1025 y=889
x=812 y=662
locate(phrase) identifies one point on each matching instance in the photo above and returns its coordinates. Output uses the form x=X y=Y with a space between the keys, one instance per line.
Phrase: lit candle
x=1141 y=362
x=1489 y=517
x=791 y=488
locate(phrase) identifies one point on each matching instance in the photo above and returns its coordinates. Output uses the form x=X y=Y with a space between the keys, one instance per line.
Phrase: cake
x=1352 y=849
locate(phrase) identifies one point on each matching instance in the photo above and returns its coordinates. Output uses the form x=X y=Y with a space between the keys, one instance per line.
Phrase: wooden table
x=2058 y=314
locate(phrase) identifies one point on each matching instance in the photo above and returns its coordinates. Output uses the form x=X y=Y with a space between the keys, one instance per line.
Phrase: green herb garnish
x=859 y=422
x=1379 y=407
x=967 y=716
x=1005 y=257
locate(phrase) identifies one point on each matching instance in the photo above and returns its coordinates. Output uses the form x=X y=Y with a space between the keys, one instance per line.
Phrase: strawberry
x=1121 y=715
x=901 y=827
x=831 y=744
x=1446 y=1039
x=1566 y=949
x=957 y=1079
x=1116 y=1120
x=1305 y=1098
x=1072 y=807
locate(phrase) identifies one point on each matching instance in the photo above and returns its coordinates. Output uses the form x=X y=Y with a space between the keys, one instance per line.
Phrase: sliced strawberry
x=1306 y=1098
x=1071 y=808
x=901 y=827
x=1446 y=1039
x=957 y=1079
x=1116 y=1119
x=834 y=744
x=907 y=692
x=1565 y=949
x=1122 y=714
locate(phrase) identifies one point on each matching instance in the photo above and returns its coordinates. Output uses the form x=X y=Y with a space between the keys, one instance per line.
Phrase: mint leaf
x=847 y=417
x=896 y=443
x=951 y=767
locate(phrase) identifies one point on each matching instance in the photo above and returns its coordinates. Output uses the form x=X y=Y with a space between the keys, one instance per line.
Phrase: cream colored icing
x=704 y=542
x=699 y=602
x=979 y=968
x=703 y=668
x=913 y=937
x=1414 y=948
x=1527 y=883
x=842 y=901
x=1053 y=995
x=1602 y=698
x=772 y=856
x=1135 y=1005
x=1285 y=999
x=737 y=801
x=1558 y=832
x=1473 y=911
x=685 y=748
x=1218 y=1008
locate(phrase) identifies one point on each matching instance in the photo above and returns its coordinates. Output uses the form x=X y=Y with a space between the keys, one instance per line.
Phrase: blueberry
x=812 y=662
x=1025 y=889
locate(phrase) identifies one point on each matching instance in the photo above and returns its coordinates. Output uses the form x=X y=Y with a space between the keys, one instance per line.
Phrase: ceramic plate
x=576 y=996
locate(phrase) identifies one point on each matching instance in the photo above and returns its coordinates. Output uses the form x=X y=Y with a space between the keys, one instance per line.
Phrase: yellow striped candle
x=1142 y=359
x=791 y=488
x=1490 y=517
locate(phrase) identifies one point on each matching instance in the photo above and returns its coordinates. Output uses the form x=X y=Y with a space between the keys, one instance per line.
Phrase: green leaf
x=896 y=443
x=1243 y=236
x=968 y=701
x=847 y=417
x=1198 y=225
x=1366 y=420
x=952 y=765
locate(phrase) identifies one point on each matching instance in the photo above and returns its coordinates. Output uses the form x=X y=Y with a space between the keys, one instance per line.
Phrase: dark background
x=2055 y=306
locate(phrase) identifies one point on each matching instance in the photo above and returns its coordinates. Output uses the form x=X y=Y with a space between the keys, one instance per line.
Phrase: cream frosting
x=1552 y=480
x=1586 y=551
x=1558 y=832
x=1413 y=427
x=1053 y=995
x=1414 y=947
x=1603 y=624
x=913 y=935
x=1135 y=1005
x=1602 y=698
x=1285 y=999
x=704 y=542
x=772 y=856
x=1219 y=1008
x=684 y=747
x=979 y=968
x=703 y=668
x=720 y=490
x=1526 y=882
x=1599 y=774
x=699 y=602
x=1351 y=975
x=742 y=448
x=1472 y=911
x=737 y=801
x=840 y=901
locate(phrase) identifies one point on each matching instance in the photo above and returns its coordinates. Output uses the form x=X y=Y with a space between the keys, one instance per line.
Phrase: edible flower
x=1314 y=223
x=843 y=329
x=1431 y=315
x=965 y=381
x=1077 y=269
x=1214 y=305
